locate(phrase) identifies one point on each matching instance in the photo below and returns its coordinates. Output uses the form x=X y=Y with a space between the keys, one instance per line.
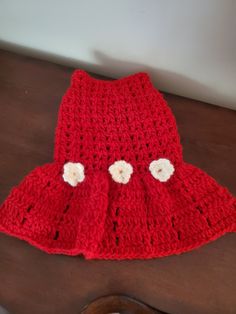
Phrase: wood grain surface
x=199 y=282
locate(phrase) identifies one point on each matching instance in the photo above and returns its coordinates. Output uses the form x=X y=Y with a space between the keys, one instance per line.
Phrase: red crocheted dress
x=118 y=187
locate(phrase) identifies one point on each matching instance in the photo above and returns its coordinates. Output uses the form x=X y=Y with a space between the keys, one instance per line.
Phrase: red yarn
x=99 y=123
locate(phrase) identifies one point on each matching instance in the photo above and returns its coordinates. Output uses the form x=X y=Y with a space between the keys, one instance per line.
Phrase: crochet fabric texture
x=118 y=187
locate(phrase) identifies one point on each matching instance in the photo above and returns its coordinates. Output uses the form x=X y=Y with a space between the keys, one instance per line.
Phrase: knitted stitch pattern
x=118 y=187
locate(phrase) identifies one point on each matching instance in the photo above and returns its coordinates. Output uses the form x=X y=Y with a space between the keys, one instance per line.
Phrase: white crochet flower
x=73 y=173
x=161 y=169
x=121 y=171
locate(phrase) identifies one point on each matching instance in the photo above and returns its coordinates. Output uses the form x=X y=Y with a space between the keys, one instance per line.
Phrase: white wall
x=188 y=46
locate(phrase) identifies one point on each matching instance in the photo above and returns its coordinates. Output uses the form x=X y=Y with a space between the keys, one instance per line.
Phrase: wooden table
x=199 y=282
